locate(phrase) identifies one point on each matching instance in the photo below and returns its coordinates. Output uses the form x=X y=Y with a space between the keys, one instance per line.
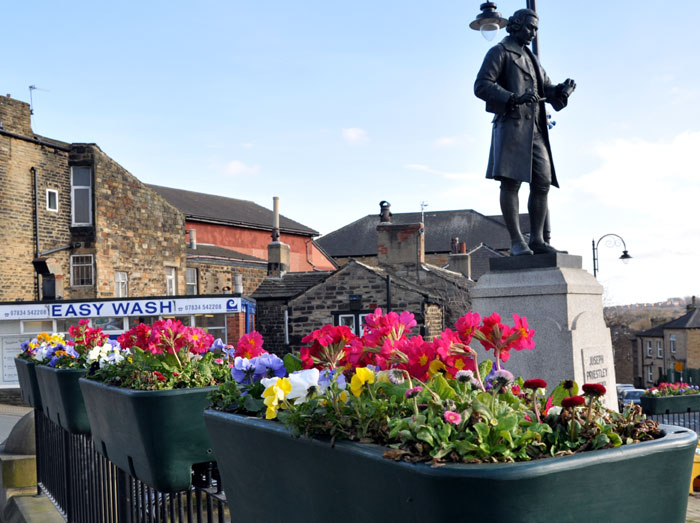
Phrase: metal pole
x=594 y=259
x=531 y=4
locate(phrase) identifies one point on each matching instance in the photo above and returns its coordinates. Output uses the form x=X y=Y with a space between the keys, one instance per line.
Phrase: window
x=354 y=320
x=81 y=196
x=121 y=285
x=672 y=341
x=81 y=270
x=191 y=281
x=37 y=326
x=659 y=349
x=650 y=374
x=51 y=200
x=170 y=281
x=649 y=349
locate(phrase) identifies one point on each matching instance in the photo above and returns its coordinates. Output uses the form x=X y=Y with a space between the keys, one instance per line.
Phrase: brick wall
x=138 y=232
x=218 y=277
x=315 y=308
x=17 y=157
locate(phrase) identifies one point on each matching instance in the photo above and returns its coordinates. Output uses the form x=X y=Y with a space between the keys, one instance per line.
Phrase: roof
x=290 y=285
x=213 y=251
x=399 y=281
x=690 y=320
x=228 y=211
x=360 y=237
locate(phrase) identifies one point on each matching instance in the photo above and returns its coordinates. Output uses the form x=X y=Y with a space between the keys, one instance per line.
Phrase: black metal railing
x=689 y=420
x=86 y=487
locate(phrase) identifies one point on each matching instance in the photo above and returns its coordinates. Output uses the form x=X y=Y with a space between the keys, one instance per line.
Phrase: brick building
x=290 y=306
x=671 y=346
x=82 y=231
x=464 y=232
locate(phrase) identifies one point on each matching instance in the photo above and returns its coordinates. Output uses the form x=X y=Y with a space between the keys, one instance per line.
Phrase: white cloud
x=355 y=135
x=236 y=168
x=429 y=170
x=453 y=141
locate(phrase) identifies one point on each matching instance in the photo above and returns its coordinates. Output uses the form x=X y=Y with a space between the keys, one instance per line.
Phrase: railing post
x=124 y=497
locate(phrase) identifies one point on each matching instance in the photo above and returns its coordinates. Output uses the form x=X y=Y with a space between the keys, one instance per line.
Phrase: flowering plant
x=429 y=400
x=673 y=389
x=85 y=347
x=166 y=355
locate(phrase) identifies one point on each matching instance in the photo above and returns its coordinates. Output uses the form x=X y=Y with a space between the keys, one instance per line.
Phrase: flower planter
x=156 y=436
x=61 y=399
x=670 y=404
x=26 y=373
x=353 y=482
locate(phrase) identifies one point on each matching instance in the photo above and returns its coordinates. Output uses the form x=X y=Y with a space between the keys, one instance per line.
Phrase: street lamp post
x=613 y=243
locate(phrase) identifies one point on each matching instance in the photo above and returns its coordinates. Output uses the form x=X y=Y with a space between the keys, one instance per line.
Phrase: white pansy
x=304 y=385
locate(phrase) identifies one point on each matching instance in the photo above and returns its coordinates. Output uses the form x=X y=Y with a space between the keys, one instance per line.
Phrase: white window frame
x=659 y=349
x=672 y=343
x=24 y=330
x=55 y=193
x=189 y=271
x=73 y=265
x=73 y=188
x=171 y=281
x=353 y=327
x=649 y=349
x=121 y=284
x=650 y=374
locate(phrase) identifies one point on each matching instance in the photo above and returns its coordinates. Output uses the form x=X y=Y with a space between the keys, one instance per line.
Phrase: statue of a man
x=515 y=87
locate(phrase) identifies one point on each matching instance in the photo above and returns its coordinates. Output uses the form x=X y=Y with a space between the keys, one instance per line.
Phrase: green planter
x=156 y=436
x=61 y=399
x=352 y=482
x=670 y=404
x=26 y=373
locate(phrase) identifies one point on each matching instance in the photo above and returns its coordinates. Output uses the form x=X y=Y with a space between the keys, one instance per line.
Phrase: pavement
x=693 y=514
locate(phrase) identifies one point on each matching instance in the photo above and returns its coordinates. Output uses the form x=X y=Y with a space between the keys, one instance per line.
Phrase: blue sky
x=334 y=106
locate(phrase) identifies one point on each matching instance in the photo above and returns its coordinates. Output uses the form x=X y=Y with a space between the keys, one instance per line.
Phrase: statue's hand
x=567 y=87
x=527 y=97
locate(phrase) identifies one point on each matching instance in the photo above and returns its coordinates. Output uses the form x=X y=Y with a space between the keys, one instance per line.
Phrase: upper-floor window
x=81 y=270
x=81 y=196
x=650 y=375
x=659 y=349
x=121 y=285
x=354 y=320
x=672 y=342
x=649 y=349
x=191 y=281
x=51 y=200
x=171 y=281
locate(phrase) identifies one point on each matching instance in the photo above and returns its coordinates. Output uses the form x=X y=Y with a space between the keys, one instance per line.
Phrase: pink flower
x=526 y=334
x=466 y=326
x=413 y=392
x=452 y=417
x=250 y=345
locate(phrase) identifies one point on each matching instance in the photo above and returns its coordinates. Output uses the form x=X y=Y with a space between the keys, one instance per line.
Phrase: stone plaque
x=598 y=366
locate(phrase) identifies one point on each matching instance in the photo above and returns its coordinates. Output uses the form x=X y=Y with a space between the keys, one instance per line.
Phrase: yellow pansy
x=436 y=366
x=362 y=376
x=276 y=390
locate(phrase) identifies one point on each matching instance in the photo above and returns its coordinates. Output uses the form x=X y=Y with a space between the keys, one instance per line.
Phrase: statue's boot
x=537 y=207
x=510 y=207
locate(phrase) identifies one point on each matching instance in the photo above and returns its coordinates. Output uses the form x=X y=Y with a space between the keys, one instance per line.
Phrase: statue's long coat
x=504 y=73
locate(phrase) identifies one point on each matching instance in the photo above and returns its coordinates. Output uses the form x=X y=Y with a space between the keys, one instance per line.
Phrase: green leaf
x=425 y=435
x=442 y=387
x=482 y=429
x=292 y=363
x=484 y=368
x=507 y=423
x=559 y=393
x=252 y=404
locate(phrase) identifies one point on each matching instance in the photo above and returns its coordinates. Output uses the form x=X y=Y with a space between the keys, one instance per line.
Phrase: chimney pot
x=276 y=219
x=193 y=239
x=462 y=247
x=384 y=212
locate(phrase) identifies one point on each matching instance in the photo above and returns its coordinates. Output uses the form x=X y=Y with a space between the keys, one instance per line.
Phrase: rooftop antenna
x=31 y=100
x=423 y=205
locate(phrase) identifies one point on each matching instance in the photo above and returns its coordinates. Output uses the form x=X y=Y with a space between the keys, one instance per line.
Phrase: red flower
x=535 y=383
x=159 y=376
x=572 y=401
x=466 y=326
x=250 y=345
x=594 y=389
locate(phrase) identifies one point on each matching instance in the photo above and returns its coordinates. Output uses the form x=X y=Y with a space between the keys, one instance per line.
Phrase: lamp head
x=625 y=257
x=489 y=21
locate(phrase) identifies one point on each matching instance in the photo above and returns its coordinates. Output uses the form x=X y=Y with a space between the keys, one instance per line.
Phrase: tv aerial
x=33 y=88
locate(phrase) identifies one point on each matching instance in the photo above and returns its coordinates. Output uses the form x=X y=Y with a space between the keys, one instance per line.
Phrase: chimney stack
x=459 y=260
x=399 y=244
x=238 y=283
x=277 y=252
x=193 y=239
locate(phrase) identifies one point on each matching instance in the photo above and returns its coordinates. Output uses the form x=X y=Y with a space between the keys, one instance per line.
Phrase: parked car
x=631 y=396
x=621 y=387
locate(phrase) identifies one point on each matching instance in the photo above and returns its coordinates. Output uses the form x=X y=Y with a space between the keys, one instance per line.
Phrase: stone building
x=671 y=346
x=290 y=306
x=467 y=233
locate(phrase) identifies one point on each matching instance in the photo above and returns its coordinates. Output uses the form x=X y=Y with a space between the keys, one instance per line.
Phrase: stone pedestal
x=563 y=304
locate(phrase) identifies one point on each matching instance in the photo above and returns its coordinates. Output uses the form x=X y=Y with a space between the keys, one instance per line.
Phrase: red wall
x=254 y=243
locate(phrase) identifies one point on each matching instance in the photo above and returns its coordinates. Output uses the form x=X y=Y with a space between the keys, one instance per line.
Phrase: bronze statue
x=514 y=86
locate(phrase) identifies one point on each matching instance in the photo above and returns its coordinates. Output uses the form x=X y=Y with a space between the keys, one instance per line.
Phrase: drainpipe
x=308 y=256
x=37 y=286
x=388 y=293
